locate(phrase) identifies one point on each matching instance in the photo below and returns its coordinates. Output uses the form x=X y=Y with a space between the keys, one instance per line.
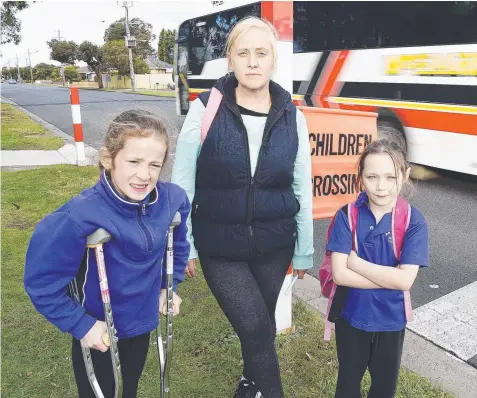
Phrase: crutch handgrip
x=95 y=241
x=105 y=338
x=98 y=237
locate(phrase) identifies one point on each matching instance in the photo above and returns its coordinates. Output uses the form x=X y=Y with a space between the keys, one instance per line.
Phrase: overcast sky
x=83 y=20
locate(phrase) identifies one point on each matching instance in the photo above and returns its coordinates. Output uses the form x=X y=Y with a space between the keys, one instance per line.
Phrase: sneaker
x=247 y=389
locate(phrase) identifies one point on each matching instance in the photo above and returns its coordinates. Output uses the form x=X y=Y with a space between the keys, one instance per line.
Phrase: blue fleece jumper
x=134 y=257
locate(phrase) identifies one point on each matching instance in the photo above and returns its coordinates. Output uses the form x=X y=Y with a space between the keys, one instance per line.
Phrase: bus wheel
x=391 y=131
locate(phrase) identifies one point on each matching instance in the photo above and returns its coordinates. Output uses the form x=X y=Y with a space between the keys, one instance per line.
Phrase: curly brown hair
x=395 y=148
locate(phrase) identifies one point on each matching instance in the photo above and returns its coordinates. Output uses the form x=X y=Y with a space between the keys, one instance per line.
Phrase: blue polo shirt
x=378 y=310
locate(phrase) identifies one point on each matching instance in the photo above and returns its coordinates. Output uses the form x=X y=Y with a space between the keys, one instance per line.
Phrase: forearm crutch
x=95 y=241
x=166 y=358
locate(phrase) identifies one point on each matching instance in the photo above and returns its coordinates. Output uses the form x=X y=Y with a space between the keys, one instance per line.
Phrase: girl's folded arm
x=397 y=278
x=343 y=276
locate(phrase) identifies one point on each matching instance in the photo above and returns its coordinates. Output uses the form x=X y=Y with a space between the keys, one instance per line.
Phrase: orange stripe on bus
x=317 y=98
x=332 y=87
x=280 y=14
x=429 y=120
x=193 y=96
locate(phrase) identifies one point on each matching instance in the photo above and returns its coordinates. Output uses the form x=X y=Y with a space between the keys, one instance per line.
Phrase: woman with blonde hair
x=249 y=184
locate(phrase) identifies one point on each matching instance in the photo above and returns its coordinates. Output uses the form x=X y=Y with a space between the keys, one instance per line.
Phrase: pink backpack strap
x=213 y=104
x=330 y=227
x=353 y=223
x=352 y=220
x=401 y=218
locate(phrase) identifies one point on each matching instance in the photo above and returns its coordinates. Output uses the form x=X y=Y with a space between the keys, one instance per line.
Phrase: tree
x=11 y=26
x=25 y=74
x=63 y=51
x=71 y=73
x=140 y=66
x=141 y=30
x=9 y=73
x=13 y=72
x=55 y=75
x=116 y=56
x=166 y=45
x=93 y=55
x=43 y=71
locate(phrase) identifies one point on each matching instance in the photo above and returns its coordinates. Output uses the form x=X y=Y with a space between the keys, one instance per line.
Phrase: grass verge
x=206 y=364
x=158 y=93
x=19 y=132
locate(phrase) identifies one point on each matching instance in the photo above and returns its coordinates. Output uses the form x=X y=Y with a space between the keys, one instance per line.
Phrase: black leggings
x=132 y=354
x=247 y=292
x=358 y=350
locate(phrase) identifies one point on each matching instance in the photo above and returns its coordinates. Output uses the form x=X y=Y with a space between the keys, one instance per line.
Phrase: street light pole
x=128 y=35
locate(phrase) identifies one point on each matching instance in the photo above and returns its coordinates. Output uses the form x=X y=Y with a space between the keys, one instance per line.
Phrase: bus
x=413 y=63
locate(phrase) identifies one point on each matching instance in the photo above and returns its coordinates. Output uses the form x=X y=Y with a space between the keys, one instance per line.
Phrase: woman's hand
x=94 y=337
x=176 y=302
x=300 y=273
x=190 y=269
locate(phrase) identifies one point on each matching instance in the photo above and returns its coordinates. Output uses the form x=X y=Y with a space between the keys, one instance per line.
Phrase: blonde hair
x=244 y=25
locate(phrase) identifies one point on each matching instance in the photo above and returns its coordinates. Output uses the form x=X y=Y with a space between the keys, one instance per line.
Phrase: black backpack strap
x=344 y=209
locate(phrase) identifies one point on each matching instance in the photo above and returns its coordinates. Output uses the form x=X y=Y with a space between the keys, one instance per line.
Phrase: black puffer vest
x=237 y=215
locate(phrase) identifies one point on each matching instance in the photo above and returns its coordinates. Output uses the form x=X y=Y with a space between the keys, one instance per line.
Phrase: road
x=449 y=203
x=98 y=108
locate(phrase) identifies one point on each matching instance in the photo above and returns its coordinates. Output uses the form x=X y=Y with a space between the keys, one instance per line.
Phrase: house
x=157 y=66
x=86 y=73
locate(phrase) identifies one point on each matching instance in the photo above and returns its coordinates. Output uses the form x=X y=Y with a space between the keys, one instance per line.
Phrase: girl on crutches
x=136 y=210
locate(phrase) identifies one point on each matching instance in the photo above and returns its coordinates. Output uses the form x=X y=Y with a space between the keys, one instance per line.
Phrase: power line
x=59 y=35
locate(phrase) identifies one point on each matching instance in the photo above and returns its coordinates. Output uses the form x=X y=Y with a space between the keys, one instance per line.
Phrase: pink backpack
x=211 y=109
x=401 y=216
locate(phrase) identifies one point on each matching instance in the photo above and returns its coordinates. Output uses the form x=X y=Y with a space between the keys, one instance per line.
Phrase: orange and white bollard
x=77 y=127
x=280 y=15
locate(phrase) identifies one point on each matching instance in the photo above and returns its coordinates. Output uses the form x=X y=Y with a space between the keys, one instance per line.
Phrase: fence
x=85 y=84
x=144 y=82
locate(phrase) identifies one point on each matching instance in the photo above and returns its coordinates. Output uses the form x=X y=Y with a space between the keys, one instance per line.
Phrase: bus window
x=182 y=72
x=208 y=35
x=183 y=33
x=320 y=26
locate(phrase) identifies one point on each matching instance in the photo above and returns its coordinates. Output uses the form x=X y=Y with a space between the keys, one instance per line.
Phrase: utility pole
x=59 y=35
x=31 y=69
x=62 y=66
x=130 y=43
x=18 y=69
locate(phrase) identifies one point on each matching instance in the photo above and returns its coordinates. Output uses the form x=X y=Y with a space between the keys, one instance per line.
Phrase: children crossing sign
x=337 y=138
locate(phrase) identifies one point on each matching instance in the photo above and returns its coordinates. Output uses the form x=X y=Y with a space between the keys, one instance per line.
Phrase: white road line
x=450 y=321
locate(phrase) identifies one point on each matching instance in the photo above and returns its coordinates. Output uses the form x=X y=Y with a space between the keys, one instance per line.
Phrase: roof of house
x=84 y=69
x=155 y=63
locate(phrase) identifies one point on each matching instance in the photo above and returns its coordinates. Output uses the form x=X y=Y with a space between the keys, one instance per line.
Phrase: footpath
x=443 y=369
